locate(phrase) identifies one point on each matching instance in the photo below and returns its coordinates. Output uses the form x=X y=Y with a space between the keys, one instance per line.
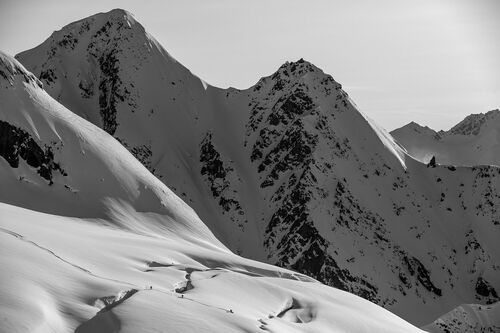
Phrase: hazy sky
x=431 y=61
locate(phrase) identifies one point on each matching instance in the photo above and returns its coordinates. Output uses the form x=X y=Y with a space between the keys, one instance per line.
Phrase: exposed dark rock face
x=432 y=162
x=15 y=144
x=212 y=165
x=143 y=154
x=284 y=152
x=107 y=92
x=416 y=268
x=296 y=104
x=103 y=47
x=293 y=150
x=87 y=89
x=221 y=178
x=299 y=245
x=48 y=76
x=484 y=289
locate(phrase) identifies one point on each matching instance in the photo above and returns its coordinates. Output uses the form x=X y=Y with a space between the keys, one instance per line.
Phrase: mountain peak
x=472 y=124
x=117 y=11
x=299 y=65
x=101 y=28
x=300 y=72
x=297 y=68
x=116 y=14
x=417 y=127
x=413 y=128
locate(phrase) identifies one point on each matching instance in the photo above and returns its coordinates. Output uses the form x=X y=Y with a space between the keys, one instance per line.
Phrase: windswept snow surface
x=473 y=141
x=91 y=241
x=287 y=171
x=59 y=272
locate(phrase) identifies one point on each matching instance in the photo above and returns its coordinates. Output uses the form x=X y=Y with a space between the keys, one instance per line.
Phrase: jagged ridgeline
x=287 y=171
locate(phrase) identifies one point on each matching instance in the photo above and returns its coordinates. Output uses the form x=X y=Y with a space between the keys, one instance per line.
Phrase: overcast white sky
x=431 y=61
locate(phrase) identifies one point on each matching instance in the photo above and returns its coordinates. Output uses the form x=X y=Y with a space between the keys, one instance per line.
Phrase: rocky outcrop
x=103 y=47
x=16 y=144
x=220 y=177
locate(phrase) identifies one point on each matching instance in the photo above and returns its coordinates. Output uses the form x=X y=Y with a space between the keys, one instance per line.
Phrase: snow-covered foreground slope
x=62 y=274
x=287 y=171
x=129 y=255
x=473 y=141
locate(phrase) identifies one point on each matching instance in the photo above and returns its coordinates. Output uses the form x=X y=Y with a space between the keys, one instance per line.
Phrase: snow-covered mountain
x=287 y=171
x=473 y=141
x=468 y=318
x=91 y=241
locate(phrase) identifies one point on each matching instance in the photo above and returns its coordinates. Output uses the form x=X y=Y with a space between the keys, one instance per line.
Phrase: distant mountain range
x=473 y=141
x=287 y=172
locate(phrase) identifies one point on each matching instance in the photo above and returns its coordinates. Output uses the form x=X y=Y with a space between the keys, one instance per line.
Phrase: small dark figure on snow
x=432 y=162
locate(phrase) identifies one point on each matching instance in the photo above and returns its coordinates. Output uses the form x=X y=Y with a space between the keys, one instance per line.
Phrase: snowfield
x=64 y=274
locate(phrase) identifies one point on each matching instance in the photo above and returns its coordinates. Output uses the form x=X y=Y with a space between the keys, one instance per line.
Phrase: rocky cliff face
x=287 y=171
x=17 y=145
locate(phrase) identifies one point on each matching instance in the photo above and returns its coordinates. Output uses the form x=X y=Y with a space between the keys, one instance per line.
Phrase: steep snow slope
x=110 y=71
x=133 y=256
x=287 y=171
x=82 y=177
x=473 y=141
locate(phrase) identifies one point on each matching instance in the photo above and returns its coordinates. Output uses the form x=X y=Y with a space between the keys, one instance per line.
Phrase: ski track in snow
x=24 y=239
x=176 y=294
